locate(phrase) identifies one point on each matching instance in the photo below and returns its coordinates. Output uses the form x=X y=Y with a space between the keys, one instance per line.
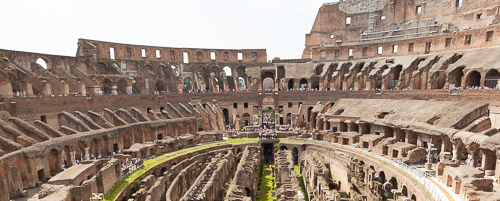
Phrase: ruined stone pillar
x=146 y=85
x=6 y=89
x=344 y=86
x=87 y=156
x=481 y=82
x=277 y=119
x=83 y=90
x=66 y=88
x=46 y=90
x=368 y=85
x=29 y=89
x=73 y=157
x=488 y=160
x=356 y=85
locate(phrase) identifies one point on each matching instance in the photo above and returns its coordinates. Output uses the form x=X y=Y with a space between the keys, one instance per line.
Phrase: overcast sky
x=54 y=26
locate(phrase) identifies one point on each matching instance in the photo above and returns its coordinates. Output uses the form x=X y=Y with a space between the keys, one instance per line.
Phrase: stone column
x=73 y=157
x=29 y=89
x=87 y=155
x=46 y=91
x=146 y=85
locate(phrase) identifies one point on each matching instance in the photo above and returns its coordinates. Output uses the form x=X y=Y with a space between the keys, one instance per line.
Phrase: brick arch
x=473 y=78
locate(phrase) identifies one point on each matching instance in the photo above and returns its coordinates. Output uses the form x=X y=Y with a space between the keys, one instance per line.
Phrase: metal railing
x=419 y=175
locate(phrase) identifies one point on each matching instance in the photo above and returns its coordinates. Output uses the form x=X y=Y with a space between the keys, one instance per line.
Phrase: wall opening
x=112 y=53
x=41 y=62
x=185 y=57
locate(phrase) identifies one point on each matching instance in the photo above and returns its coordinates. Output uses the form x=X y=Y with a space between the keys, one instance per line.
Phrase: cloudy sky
x=54 y=26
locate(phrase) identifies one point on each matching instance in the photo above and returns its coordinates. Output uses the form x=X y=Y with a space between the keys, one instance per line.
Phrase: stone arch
x=122 y=86
x=80 y=154
x=394 y=183
x=42 y=62
x=491 y=78
x=404 y=191
x=246 y=119
x=242 y=84
x=303 y=83
x=283 y=148
x=267 y=80
x=413 y=197
x=438 y=80
x=228 y=70
x=187 y=83
x=290 y=84
x=225 y=113
x=66 y=156
x=455 y=76
x=106 y=86
x=54 y=161
x=473 y=79
x=381 y=176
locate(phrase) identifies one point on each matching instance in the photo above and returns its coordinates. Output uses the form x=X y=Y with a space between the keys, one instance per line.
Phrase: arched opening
x=290 y=84
x=413 y=197
x=174 y=69
x=303 y=83
x=242 y=83
x=491 y=79
x=268 y=80
x=404 y=191
x=228 y=71
x=66 y=154
x=473 y=79
x=187 y=84
x=456 y=77
x=309 y=114
x=225 y=111
x=438 y=80
x=53 y=160
x=106 y=86
x=122 y=86
x=268 y=84
x=239 y=150
x=160 y=85
x=42 y=63
x=381 y=176
x=80 y=152
x=283 y=148
x=246 y=119
x=295 y=153
x=394 y=183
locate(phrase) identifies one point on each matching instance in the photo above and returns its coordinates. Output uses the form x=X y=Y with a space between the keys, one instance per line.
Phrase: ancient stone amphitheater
x=391 y=100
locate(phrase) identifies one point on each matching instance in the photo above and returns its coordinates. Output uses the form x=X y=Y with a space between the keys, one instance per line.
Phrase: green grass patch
x=301 y=182
x=266 y=183
x=148 y=164
x=242 y=140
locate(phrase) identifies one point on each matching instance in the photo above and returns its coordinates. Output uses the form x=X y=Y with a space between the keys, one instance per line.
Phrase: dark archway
x=268 y=80
x=122 y=87
x=290 y=84
x=106 y=86
x=491 y=78
x=456 y=77
x=246 y=119
x=473 y=79
x=295 y=153
x=303 y=84
x=225 y=111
